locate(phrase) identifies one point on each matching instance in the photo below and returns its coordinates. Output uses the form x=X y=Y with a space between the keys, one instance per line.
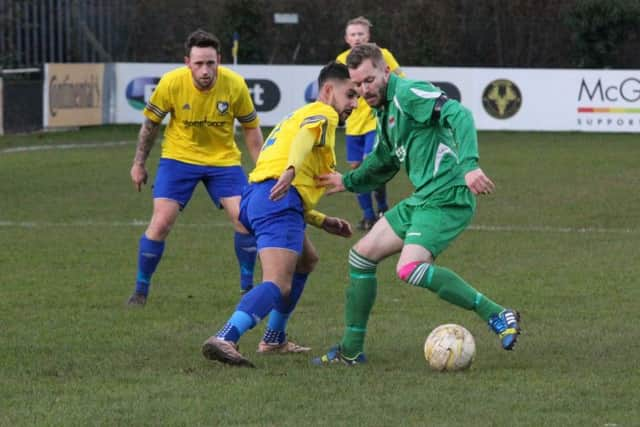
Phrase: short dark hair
x=365 y=51
x=333 y=71
x=201 y=38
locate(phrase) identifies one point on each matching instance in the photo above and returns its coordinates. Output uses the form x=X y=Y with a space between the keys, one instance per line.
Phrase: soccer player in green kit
x=435 y=139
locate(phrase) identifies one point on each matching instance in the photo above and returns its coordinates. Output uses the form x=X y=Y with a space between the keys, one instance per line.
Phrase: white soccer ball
x=450 y=347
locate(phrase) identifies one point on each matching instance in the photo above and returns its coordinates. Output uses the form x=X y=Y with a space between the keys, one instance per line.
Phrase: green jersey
x=434 y=137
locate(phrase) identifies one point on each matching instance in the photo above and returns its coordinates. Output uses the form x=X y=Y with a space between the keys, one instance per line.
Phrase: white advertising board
x=500 y=98
x=545 y=100
x=276 y=90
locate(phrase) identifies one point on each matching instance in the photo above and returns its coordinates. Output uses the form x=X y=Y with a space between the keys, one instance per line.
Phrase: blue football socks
x=279 y=316
x=380 y=194
x=246 y=252
x=149 y=255
x=366 y=204
x=251 y=309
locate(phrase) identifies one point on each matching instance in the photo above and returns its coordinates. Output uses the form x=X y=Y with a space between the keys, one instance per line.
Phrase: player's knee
x=360 y=261
x=413 y=272
x=158 y=230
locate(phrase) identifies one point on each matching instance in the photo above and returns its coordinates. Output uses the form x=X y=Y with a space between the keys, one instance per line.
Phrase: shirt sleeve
x=160 y=103
x=301 y=146
x=245 y=111
x=459 y=119
x=315 y=218
x=418 y=100
x=376 y=169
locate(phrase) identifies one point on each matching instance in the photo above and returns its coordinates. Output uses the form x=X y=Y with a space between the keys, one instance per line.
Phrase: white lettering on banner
x=256 y=92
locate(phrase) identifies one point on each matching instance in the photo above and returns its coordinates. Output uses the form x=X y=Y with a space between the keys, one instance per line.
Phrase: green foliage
x=599 y=28
x=558 y=241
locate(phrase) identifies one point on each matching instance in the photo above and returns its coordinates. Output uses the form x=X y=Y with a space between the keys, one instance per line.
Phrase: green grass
x=558 y=240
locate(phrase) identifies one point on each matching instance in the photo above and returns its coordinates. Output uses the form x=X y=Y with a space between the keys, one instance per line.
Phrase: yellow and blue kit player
x=281 y=196
x=203 y=100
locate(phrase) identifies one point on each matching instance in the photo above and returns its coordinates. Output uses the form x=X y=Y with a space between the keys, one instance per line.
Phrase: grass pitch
x=558 y=240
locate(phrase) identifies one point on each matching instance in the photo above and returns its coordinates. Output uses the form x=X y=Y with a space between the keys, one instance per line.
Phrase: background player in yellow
x=280 y=197
x=361 y=125
x=203 y=100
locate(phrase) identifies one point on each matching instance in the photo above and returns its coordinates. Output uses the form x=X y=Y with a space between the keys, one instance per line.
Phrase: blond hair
x=360 y=20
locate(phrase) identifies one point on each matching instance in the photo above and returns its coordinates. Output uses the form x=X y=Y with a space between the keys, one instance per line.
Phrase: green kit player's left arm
x=453 y=115
x=377 y=168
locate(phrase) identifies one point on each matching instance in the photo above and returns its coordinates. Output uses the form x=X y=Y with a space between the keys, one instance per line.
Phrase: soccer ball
x=449 y=347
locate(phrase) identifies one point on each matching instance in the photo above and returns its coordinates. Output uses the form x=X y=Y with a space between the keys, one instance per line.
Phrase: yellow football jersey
x=200 y=130
x=362 y=120
x=274 y=156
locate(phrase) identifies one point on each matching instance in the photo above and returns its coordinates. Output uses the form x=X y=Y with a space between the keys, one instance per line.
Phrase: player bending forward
x=280 y=197
x=435 y=139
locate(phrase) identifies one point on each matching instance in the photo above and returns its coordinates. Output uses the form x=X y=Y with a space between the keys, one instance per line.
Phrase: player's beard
x=342 y=117
x=379 y=97
x=205 y=83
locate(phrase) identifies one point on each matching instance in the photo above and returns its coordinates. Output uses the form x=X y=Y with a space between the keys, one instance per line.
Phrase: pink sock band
x=406 y=270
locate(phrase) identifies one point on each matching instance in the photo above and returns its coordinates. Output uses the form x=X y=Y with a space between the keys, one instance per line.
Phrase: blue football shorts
x=177 y=180
x=359 y=146
x=275 y=224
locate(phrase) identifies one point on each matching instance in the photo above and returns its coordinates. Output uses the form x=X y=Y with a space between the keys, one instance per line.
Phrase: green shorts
x=435 y=223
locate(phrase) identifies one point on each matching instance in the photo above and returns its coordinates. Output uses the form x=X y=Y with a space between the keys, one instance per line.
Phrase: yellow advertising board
x=73 y=95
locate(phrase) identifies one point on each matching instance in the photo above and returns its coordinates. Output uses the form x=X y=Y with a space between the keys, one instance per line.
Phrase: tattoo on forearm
x=146 y=139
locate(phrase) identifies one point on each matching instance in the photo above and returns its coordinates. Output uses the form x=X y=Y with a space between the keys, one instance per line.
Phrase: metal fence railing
x=33 y=32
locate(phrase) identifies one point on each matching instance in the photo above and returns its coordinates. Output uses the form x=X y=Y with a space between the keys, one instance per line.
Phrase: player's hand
x=478 y=182
x=281 y=187
x=332 y=181
x=337 y=226
x=138 y=175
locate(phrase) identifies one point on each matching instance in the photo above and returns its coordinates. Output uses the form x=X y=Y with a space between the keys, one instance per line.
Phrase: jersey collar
x=391 y=87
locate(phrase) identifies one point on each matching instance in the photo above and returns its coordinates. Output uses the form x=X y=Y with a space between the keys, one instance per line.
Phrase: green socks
x=360 y=296
x=452 y=288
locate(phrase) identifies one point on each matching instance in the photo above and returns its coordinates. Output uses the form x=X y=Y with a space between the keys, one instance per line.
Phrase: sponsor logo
x=392 y=121
x=627 y=90
x=265 y=94
x=203 y=123
x=139 y=91
x=222 y=107
x=607 y=104
x=449 y=89
x=502 y=99
x=70 y=94
x=186 y=107
x=311 y=92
